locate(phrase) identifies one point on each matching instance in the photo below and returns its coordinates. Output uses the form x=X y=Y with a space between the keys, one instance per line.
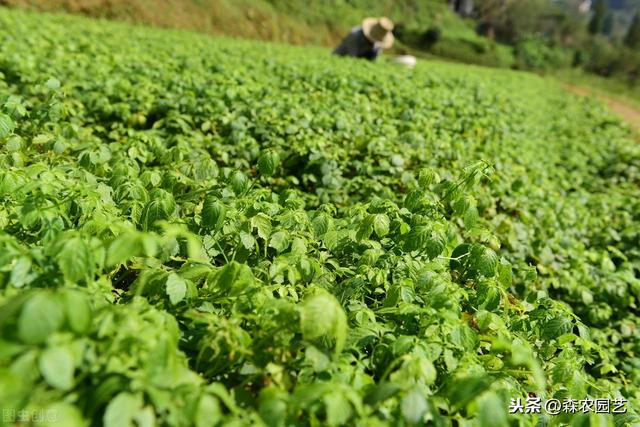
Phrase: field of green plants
x=201 y=231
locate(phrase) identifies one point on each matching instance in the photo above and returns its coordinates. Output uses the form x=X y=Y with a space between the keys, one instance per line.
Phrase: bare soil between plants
x=627 y=112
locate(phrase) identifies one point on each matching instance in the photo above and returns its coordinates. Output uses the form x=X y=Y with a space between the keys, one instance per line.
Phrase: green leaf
x=427 y=177
x=41 y=139
x=20 y=272
x=75 y=259
x=316 y=358
x=483 y=260
x=279 y=241
x=464 y=389
x=208 y=411
x=365 y=229
x=77 y=311
x=268 y=162
x=14 y=106
x=273 y=406
x=247 y=240
x=424 y=370
x=505 y=274
x=56 y=111
x=381 y=392
x=414 y=370
x=397 y=160
x=298 y=246
x=232 y=279
x=63 y=414
x=154 y=211
x=41 y=316
x=59 y=147
x=321 y=224
x=239 y=182
x=474 y=260
x=322 y=316
x=556 y=327
x=145 y=417
x=213 y=213
x=381 y=225
x=461 y=204
x=413 y=406
x=130 y=244
x=121 y=411
x=488 y=296
x=417 y=238
x=471 y=217
x=57 y=367
x=414 y=200
x=14 y=144
x=53 y=84
x=6 y=126
x=262 y=223
x=176 y=288
x=458 y=256
x=160 y=208
x=492 y=411
x=435 y=244
x=464 y=337
x=338 y=409
x=371 y=256
x=424 y=238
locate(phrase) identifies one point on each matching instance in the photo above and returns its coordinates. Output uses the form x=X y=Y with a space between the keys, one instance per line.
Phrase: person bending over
x=367 y=40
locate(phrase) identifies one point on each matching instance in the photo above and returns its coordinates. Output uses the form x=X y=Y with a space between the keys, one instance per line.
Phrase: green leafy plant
x=202 y=231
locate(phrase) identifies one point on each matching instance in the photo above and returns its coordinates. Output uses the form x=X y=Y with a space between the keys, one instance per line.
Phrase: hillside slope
x=200 y=231
x=291 y=21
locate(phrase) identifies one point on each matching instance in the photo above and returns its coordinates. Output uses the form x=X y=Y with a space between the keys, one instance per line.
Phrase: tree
x=633 y=35
x=513 y=20
x=596 y=24
x=462 y=7
x=608 y=25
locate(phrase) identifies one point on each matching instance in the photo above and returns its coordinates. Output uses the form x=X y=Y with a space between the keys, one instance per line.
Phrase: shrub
x=482 y=52
x=536 y=54
x=431 y=37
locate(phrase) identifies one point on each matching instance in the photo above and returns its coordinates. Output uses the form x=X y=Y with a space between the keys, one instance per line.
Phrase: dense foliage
x=201 y=231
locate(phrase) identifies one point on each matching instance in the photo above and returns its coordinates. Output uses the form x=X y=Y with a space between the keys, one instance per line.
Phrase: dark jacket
x=357 y=45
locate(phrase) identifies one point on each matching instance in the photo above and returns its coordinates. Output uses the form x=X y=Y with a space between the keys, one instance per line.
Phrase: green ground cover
x=320 y=23
x=204 y=231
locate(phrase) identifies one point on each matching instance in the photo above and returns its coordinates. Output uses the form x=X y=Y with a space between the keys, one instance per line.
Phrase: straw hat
x=378 y=30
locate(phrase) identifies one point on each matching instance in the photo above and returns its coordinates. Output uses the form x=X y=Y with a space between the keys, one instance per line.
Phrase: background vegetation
x=539 y=35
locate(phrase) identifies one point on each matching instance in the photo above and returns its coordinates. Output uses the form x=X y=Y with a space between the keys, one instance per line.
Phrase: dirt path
x=627 y=112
